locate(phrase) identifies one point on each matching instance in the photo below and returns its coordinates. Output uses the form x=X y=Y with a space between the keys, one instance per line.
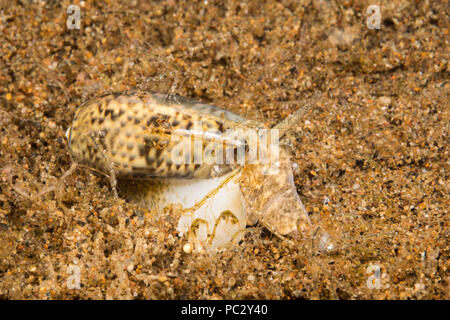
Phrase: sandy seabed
x=370 y=157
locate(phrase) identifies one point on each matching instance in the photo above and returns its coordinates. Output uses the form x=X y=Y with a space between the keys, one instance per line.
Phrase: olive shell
x=134 y=133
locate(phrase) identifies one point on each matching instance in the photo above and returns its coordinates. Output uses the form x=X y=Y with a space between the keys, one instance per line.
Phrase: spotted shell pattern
x=135 y=132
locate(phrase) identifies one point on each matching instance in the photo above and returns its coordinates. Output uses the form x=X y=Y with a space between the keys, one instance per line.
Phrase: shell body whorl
x=136 y=134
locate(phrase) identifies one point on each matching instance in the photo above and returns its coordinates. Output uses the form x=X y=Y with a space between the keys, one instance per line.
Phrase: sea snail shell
x=137 y=140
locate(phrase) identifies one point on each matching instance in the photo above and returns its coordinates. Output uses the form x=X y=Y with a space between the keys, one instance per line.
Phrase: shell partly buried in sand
x=212 y=211
x=136 y=139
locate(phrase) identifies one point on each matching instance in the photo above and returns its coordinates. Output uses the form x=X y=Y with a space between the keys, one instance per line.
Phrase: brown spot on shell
x=108 y=112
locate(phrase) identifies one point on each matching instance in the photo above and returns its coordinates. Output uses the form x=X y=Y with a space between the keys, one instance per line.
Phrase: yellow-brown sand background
x=371 y=156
